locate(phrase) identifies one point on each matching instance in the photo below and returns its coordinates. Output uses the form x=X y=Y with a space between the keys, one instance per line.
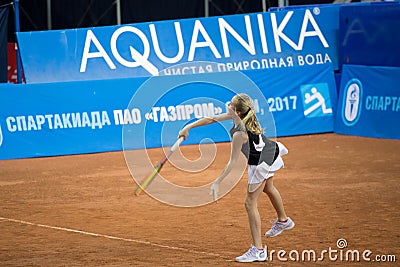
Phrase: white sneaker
x=253 y=254
x=278 y=227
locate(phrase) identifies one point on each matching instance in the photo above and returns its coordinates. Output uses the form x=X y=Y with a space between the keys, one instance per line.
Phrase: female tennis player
x=264 y=159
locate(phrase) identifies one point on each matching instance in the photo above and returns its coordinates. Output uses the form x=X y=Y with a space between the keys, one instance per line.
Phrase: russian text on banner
x=369 y=102
x=283 y=40
x=94 y=116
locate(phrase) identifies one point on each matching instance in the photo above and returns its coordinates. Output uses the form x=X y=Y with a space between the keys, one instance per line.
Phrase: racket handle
x=177 y=143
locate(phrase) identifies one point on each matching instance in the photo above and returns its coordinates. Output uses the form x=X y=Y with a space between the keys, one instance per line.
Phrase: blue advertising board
x=269 y=40
x=109 y=115
x=332 y=5
x=369 y=102
x=369 y=35
x=366 y=31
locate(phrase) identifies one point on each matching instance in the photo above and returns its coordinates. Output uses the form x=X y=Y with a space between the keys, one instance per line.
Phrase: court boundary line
x=4 y=219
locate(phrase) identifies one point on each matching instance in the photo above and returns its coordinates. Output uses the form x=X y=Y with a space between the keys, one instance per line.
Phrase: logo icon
x=316 y=100
x=259 y=147
x=352 y=96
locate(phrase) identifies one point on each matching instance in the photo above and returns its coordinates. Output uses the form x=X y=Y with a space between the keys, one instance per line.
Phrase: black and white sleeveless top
x=258 y=148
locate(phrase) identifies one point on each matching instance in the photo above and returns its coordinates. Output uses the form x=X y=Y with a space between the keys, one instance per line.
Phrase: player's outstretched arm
x=202 y=122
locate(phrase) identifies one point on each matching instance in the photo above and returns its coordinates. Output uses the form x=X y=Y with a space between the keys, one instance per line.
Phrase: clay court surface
x=81 y=210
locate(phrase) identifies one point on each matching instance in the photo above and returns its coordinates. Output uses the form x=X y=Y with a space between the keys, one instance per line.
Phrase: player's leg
x=257 y=252
x=253 y=214
x=275 y=198
x=283 y=222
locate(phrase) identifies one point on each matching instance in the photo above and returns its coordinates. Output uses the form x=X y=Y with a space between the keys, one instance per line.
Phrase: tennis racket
x=147 y=181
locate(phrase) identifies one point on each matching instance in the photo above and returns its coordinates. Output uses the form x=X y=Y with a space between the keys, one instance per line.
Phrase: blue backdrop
x=3 y=44
x=369 y=35
x=96 y=116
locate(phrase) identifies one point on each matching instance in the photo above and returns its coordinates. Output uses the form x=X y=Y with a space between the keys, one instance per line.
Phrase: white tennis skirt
x=258 y=173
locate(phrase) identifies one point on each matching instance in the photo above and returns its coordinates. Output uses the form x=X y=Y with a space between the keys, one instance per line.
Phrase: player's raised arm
x=202 y=122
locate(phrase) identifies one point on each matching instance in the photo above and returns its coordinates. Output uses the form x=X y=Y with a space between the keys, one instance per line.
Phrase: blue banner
x=283 y=40
x=97 y=116
x=369 y=102
x=3 y=43
x=369 y=35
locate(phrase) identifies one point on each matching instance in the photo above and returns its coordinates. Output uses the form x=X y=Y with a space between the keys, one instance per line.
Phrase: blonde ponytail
x=245 y=107
x=251 y=123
